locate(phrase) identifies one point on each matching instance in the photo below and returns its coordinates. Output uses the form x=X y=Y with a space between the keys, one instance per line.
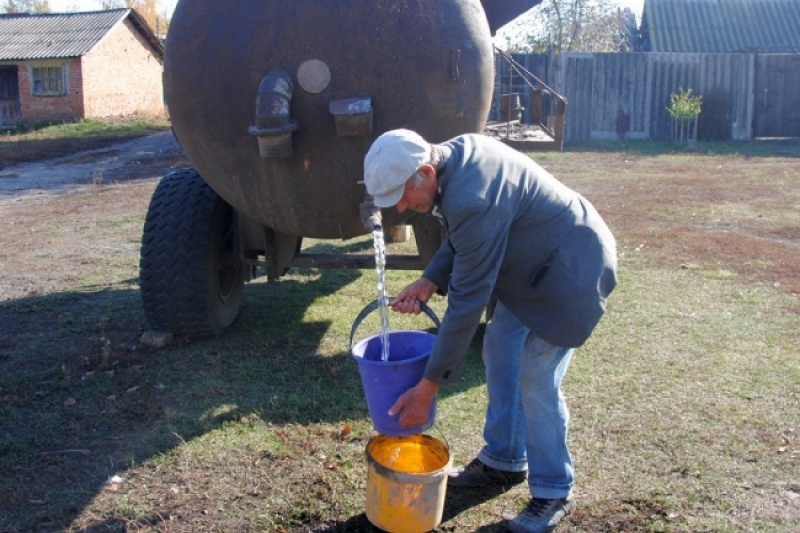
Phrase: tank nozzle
x=370 y=214
x=273 y=124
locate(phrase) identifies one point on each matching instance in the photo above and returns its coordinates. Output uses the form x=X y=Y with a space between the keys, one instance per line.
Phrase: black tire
x=191 y=276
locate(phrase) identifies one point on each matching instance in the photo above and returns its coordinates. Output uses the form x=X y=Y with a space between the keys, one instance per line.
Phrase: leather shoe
x=541 y=515
x=477 y=474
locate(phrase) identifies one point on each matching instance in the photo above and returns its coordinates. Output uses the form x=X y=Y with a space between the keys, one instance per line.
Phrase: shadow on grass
x=361 y=524
x=456 y=502
x=460 y=500
x=82 y=401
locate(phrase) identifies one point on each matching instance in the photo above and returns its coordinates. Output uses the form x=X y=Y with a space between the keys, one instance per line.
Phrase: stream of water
x=380 y=269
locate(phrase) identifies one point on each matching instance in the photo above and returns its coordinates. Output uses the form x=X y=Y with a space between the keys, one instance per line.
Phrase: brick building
x=70 y=66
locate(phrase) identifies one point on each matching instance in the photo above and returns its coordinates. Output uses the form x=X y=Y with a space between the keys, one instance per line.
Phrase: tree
x=26 y=6
x=571 y=26
x=153 y=11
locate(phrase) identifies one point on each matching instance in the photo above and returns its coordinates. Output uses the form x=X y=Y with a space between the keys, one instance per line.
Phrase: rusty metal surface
x=425 y=64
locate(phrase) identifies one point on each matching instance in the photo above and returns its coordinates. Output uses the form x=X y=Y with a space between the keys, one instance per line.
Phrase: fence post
x=751 y=95
x=560 y=121
x=648 y=98
x=536 y=111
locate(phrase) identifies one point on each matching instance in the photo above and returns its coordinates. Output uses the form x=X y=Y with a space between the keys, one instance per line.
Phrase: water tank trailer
x=275 y=103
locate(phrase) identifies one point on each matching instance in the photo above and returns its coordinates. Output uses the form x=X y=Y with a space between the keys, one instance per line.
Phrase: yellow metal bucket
x=406 y=482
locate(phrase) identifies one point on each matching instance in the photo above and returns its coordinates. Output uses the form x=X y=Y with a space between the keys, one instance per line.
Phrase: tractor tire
x=192 y=279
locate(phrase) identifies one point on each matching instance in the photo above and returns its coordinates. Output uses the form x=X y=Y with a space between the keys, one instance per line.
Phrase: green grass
x=48 y=140
x=88 y=127
x=734 y=149
x=683 y=403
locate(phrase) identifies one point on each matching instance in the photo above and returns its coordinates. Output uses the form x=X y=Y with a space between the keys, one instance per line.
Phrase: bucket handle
x=372 y=306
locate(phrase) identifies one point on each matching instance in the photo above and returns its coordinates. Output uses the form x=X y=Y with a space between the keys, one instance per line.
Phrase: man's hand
x=408 y=300
x=415 y=404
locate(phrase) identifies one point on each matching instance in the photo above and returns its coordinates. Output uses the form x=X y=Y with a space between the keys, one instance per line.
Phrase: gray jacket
x=514 y=231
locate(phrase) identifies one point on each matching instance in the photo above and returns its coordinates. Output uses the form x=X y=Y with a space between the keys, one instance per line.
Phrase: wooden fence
x=626 y=95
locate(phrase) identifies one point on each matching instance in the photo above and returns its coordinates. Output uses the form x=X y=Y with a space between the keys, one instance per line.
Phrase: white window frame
x=54 y=81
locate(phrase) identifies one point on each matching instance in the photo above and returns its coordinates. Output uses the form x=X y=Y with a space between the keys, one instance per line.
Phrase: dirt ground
x=723 y=199
x=723 y=216
x=71 y=224
x=50 y=208
x=145 y=157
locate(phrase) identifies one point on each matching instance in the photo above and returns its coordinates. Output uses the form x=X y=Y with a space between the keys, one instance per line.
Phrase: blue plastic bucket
x=385 y=381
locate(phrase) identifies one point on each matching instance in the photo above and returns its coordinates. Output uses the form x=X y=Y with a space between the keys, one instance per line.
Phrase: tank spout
x=370 y=214
x=501 y=12
x=273 y=123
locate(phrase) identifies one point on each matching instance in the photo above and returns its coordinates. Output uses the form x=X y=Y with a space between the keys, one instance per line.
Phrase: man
x=516 y=233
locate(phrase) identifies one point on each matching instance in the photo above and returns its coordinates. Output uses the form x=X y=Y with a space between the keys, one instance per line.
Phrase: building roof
x=25 y=36
x=721 y=25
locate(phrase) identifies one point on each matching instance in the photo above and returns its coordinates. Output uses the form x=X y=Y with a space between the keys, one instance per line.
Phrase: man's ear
x=428 y=171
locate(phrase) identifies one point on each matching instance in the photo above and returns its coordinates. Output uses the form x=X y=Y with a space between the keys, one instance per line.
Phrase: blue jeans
x=527 y=417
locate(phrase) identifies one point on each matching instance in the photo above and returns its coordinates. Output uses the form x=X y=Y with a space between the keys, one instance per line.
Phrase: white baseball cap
x=391 y=160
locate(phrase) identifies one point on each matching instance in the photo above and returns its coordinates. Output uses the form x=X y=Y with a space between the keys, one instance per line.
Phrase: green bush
x=684 y=107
